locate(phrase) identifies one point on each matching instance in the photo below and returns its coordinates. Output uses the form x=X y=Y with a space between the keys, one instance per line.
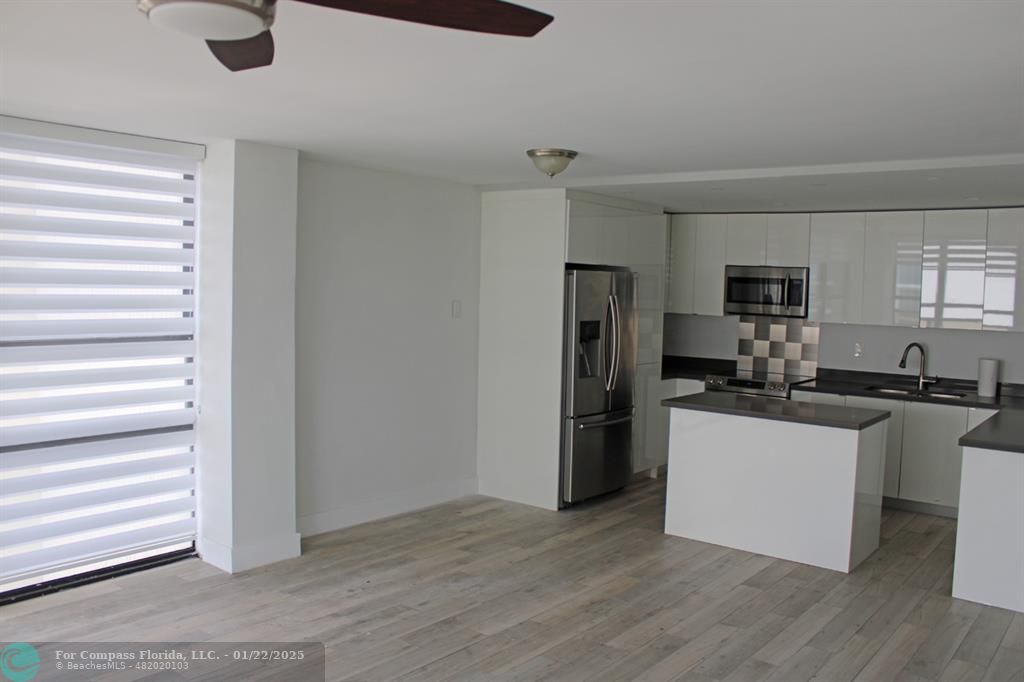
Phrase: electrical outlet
x=858 y=350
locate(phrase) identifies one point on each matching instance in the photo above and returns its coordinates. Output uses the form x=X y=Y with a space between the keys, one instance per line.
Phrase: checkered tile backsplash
x=778 y=344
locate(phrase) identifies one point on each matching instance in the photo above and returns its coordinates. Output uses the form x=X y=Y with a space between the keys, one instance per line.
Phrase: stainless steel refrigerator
x=599 y=369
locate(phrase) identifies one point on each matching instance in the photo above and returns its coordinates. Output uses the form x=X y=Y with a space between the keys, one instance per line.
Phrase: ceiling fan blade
x=484 y=16
x=248 y=53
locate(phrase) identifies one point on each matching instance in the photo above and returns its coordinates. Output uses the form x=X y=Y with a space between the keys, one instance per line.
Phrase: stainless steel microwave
x=766 y=290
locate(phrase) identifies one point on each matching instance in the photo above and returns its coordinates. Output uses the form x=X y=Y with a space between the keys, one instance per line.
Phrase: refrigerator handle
x=616 y=341
x=608 y=343
x=610 y=422
x=616 y=360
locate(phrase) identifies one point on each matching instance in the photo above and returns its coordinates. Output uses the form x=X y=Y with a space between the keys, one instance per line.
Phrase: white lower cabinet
x=650 y=427
x=930 y=470
x=893 y=439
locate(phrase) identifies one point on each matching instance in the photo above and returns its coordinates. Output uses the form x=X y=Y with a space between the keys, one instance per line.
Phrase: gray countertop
x=1002 y=431
x=816 y=414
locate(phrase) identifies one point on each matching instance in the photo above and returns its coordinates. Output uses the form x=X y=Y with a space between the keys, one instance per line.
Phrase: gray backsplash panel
x=952 y=353
x=777 y=344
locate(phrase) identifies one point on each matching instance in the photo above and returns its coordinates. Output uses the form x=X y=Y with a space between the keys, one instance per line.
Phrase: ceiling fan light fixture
x=550 y=160
x=211 y=19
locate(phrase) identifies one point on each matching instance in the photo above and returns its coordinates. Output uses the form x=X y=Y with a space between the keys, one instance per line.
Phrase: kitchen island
x=989 y=563
x=789 y=479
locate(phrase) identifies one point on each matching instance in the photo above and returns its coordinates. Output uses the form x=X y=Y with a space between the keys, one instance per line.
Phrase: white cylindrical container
x=988 y=377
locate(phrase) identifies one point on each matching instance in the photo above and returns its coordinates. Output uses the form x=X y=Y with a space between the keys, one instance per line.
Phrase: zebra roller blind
x=97 y=349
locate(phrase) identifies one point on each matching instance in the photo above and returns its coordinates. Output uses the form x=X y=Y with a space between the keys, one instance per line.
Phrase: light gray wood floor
x=480 y=589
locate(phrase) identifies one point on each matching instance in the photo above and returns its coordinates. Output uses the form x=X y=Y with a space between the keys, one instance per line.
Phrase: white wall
x=952 y=353
x=246 y=428
x=386 y=377
x=522 y=275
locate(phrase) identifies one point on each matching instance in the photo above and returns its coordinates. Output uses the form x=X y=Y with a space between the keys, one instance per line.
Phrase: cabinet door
x=893 y=438
x=654 y=445
x=643 y=239
x=649 y=281
x=683 y=249
x=930 y=470
x=787 y=239
x=584 y=234
x=953 y=269
x=709 y=267
x=820 y=398
x=837 y=267
x=893 y=246
x=745 y=239
x=650 y=425
x=1004 y=270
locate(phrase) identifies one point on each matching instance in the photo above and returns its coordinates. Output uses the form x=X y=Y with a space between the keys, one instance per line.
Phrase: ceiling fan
x=238 y=31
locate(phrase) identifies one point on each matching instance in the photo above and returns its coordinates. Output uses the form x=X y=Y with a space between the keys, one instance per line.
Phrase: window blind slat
x=63 y=525
x=19 y=170
x=18 y=356
x=94 y=303
x=11 y=436
x=16 y=197
x=70 y=227
x=51 y=406
x=63 y=330
x=114 y=540
x=52 y=277
x=24 y=484
x=92 y=255
x=92 y=377
x=92 y=452
x=25 y=511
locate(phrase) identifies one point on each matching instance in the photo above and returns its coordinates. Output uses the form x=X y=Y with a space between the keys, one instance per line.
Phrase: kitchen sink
x=895 y=390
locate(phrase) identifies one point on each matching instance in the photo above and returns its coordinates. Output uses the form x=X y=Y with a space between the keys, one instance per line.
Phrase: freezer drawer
x=597 y=454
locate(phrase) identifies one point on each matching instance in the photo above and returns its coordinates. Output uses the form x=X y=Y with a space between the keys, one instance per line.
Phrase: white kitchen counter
x=786 y=479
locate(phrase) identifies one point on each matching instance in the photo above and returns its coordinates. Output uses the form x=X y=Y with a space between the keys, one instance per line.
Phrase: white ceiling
x=654 y=94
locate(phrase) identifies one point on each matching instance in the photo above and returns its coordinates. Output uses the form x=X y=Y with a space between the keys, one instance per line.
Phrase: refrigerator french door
x=599 y=369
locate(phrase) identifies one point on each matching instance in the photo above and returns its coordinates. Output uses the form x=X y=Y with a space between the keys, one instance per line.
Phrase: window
x=97 y=351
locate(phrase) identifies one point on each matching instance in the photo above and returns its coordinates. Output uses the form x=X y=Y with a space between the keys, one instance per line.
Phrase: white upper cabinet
x=787 y=239
x=893 y=246
x=683 y=242
x=608 y=235
x=837 y=267
x=709 y=265
x=600 y=234
x=745 y=239
x=1004 y=270
x=953 y=269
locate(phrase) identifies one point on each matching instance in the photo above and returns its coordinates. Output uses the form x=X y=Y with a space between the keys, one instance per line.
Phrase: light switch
x=456 y=309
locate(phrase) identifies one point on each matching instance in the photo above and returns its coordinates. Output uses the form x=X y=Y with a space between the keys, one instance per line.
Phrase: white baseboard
x=383 y=506
x=250 y=555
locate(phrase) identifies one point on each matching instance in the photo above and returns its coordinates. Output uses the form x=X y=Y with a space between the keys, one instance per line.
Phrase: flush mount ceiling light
x=551 y=161
x=211 y=19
